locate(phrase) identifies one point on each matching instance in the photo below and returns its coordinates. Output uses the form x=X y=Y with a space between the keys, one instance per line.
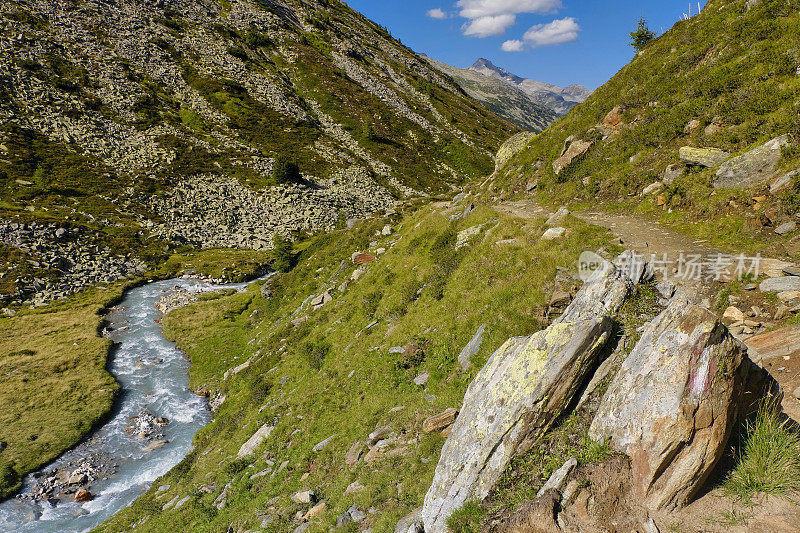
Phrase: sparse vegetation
x=769 y=460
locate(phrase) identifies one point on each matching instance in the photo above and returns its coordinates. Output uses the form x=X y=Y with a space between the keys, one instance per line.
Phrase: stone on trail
x=781 y=284
x=524 y=387
x=673 y=403
x=255 y=441
x=703 y=157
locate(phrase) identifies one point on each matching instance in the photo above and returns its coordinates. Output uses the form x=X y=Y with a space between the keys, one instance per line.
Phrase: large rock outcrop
x=520 y=392
x=673 y=403
x=751 y=168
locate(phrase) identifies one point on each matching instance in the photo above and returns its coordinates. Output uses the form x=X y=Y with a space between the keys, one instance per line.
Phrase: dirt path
x=640 y=235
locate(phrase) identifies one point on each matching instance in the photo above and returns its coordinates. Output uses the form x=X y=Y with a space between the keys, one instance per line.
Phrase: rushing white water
x=147 y=382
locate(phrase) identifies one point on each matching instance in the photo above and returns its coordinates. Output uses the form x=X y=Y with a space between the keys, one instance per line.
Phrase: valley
x=264 y=268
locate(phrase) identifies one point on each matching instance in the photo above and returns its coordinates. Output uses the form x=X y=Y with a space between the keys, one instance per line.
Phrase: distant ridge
x=552 y=96
x=504 y=99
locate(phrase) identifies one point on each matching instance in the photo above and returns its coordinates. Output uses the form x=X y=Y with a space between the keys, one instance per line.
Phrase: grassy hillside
x=727 y=79
x=333 y=373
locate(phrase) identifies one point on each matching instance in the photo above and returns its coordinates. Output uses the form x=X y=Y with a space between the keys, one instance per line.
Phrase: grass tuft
x=769 y=462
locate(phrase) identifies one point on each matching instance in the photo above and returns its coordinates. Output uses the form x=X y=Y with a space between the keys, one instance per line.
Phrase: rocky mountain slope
x=501 y=97
x=137 y=126
x=700 y=130
x=559 y=99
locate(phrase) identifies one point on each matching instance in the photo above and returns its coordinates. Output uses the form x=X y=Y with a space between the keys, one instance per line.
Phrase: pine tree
x=642 y=36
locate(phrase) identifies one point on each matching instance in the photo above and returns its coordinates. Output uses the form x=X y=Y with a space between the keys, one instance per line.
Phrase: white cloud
x=437 y=14
x=494 y=17
x=513 y=46
x=557 y=32
x=473 y=9
x=487 y=26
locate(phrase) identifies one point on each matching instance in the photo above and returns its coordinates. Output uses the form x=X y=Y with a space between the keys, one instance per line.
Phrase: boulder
x=553 y=233
x=558 y=217
x=780 y=284
x=702 y=157
x=751 y=168
x=786 y=228
x=734 y=314
x=671 y=173
x=774 y=344
x=409 y=522
x=576 y=150
x=515 y=398
x=83 y=496
x=558 y=479
x=509 y=149
x=440 y=421
x=472 y=347
x=255 y=441
x=673 y=403
x=781 y=183
x=653 y=187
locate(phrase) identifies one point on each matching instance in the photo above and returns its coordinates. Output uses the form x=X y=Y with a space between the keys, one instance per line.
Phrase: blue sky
x=557 y=41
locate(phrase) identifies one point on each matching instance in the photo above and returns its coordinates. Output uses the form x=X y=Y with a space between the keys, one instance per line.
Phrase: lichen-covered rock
x=512 y=147
x=751 y=168
x=524 y=387
x=703 y=157
x=673 y=403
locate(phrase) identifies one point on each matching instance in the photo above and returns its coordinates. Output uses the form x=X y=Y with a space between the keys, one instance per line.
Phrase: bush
x=283 y=253
x=315 y=353
x=9 y=480
x=285 y=171
x=769 y=460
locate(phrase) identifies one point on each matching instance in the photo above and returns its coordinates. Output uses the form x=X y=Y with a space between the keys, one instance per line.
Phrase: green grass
x=769 y=460
x=527 y=473
x=467 y=518
x=300 y=380
x=54 y=387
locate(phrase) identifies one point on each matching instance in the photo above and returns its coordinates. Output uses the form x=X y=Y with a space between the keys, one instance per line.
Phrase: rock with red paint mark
x=362 y=258
x=674 y=401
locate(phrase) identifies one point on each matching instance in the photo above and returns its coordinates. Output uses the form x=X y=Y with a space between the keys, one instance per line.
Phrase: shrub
x=282 y=253
x=642 y=36
x=315 y=353
x=769 y=460
x=285 y=171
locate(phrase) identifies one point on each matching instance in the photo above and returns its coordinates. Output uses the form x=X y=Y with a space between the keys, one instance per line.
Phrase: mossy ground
x=729 y=65
x=332 y=375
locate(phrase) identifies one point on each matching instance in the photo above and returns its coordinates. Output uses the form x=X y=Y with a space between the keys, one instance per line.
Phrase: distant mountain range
x=504 y=99
x=529 y=104
x=556 y=98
